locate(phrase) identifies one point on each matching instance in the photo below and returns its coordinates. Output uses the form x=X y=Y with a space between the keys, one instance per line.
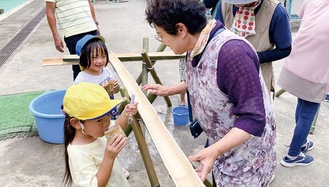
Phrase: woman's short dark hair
x=167 y=13
x=94 y=44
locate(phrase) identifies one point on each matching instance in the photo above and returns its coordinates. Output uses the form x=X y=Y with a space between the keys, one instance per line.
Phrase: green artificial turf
x=15 y=116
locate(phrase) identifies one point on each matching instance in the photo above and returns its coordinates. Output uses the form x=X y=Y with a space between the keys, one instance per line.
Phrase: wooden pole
x=144 y=67
x=124 y=57
x=145 y=153
x=161 y=48
x=140 y=139
x=128 y=129
x=165 y=55
x=150 y=67
x=314 y=121
x=280 y=92
x=206 y=182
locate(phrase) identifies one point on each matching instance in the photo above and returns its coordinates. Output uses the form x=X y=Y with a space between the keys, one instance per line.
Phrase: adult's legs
x=305 y=113
x=71 y=43
x=297 y=112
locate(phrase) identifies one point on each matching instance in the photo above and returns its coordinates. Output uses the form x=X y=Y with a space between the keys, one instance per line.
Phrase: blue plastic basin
x=48 y=116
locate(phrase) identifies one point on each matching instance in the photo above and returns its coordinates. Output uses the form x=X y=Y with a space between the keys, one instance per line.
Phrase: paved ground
x=28 y=161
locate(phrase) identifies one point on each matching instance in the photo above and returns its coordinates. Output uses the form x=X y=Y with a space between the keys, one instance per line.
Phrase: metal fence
x=292 y=7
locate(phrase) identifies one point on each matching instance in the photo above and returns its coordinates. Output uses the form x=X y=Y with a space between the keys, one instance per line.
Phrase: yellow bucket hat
x=87 y=101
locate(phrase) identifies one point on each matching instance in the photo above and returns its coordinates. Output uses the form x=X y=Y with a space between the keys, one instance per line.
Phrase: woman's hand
x=206 y=157
x=160 y=90
x=157 y=89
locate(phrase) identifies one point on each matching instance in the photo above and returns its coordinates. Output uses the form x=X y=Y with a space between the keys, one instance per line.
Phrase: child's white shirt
x=106 y=75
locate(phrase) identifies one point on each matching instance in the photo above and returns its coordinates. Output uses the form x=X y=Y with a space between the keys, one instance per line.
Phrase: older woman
x=227 y=93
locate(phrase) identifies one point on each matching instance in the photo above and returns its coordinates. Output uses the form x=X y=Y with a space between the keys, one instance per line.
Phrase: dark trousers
x=71 y=43
x=304 y=116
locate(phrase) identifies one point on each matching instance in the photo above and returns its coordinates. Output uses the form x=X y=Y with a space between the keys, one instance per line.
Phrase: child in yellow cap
x=89 y=156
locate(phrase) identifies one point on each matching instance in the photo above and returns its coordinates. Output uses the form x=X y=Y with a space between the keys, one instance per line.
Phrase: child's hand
x=131 y=109
x=115 y=145
x=106 y=85
x=111 y=86
x=116 y=86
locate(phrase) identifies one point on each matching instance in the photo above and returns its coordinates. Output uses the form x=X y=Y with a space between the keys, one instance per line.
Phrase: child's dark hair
x=69 y=133
x=89 y=48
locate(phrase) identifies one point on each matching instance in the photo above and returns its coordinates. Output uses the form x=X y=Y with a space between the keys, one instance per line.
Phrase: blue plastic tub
x=48 y=116
x=181 y=115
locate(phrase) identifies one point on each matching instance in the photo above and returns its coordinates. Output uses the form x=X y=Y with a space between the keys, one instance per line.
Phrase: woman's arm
x=273 y=55
x=161 y=90
x=207 y=156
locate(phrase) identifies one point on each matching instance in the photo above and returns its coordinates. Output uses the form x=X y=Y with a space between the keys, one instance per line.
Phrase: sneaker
x=309 y=145
x=301 y=160
x=126 y=173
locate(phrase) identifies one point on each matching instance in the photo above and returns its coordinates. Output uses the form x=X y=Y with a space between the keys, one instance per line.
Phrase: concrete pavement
x=28 y=161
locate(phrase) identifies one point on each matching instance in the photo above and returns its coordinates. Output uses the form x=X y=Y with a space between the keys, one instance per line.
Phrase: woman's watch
x=96 y=22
